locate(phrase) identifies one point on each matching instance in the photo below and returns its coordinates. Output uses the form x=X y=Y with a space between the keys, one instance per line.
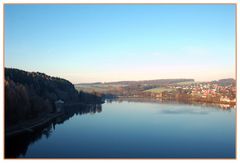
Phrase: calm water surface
x=138 y=130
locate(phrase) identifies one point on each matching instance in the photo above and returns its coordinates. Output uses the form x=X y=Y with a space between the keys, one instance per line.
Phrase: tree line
x=30 y=95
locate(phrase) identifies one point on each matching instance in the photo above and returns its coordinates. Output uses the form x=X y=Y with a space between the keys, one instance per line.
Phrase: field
x=185 y=83
x=159 y=90
x=99 y=87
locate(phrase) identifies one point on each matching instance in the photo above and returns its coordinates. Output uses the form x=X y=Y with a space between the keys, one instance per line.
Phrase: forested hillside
x=30 y=95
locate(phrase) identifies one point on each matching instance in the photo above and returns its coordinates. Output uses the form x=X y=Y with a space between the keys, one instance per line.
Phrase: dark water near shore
x=132 y=130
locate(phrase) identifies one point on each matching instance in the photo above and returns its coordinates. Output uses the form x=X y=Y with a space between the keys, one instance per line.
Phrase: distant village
x=201 y=92
x=220 y=92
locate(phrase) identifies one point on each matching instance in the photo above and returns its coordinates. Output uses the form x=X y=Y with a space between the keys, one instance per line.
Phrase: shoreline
x=31 y=125
x=175 y=100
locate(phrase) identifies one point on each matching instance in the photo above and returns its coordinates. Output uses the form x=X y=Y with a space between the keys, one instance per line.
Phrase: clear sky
x=90 y=43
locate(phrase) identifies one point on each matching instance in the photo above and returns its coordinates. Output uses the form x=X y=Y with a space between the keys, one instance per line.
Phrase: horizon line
x=115 y=81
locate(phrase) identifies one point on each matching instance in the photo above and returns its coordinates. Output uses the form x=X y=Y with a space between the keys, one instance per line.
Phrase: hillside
x=153 y=82
x=226 y=82
x=146 y=82
x=127 y=88
x=30 y=95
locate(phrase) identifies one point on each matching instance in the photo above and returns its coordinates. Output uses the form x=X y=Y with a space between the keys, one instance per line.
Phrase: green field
x=159 y=90
x=97 y=87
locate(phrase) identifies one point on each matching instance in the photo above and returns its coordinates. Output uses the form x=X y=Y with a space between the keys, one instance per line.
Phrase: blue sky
x=89 y=43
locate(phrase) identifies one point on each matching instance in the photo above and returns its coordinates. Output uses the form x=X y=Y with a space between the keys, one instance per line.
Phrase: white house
x=59 y=104
x=224 y=99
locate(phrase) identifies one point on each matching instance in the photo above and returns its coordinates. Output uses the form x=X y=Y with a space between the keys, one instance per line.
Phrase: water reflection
x=160 y=101
x=17 y=146
x=133 y=128
x=186 y=111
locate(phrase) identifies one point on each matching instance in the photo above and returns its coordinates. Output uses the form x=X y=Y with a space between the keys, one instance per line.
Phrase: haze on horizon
x=103 y=43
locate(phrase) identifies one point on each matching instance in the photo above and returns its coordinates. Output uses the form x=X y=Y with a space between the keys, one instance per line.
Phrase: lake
x=133 y=129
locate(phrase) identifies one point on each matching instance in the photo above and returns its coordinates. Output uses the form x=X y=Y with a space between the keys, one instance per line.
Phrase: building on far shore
x=225 y=99
x=59 y=104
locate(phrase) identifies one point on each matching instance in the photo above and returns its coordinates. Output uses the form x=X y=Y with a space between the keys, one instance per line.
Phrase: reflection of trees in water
x=16 y=146
x=161 y=101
